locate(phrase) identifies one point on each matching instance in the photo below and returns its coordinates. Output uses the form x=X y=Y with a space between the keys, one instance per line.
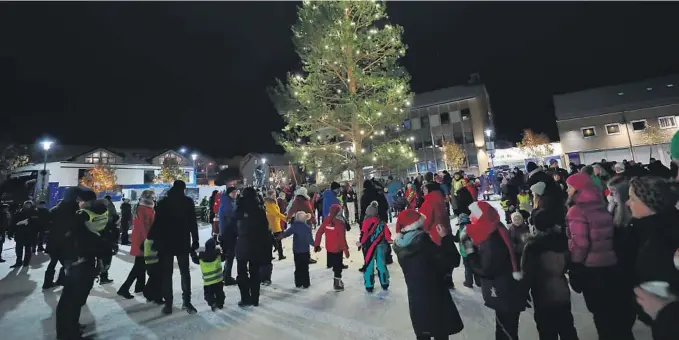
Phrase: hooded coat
x=141 y=225
x=175 y=224
x=273 y=215
x=424 y=265
x=544 y=262
x=371 y=194
x=254 y=240
x=62 y=218
x=301 y=203
x=335 y=231
x=329 y=199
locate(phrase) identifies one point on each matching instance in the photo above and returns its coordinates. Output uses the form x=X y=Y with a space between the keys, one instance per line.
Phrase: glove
x=317 y=249
x=195 y=245
x=194 y=257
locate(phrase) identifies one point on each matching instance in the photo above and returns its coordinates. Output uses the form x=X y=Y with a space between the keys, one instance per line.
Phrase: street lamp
x=488 y=132
x=263 y=160
x=182 y=150
x=489 y=151
x=46 y=145
x=194 y=157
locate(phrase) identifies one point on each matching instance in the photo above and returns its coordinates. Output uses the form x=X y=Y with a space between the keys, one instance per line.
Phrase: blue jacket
x=329 y=198
x=302 y=238
x=392 y=189
x=227 y=208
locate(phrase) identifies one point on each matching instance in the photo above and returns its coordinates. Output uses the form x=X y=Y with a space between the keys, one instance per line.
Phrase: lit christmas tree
x=345 y=107
x=100 y=178
x=170 y=172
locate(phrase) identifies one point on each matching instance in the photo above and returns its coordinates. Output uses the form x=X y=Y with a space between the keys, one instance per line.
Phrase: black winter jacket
x=544 y=262
x=175 y=225
x=87 y=244
x=25 y=234
x=254 y=240
x=424 y=265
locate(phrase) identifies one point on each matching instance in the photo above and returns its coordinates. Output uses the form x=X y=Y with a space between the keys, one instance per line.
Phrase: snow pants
x=378 y=260
x=153 y=290
x=214 y=294
x=555 y=322
x=302 y=270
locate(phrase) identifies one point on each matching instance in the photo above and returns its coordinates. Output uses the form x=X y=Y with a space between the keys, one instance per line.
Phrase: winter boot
x=103 y=279
x=16 y=265
x=167 y=309
x=126 y=294
x=48 y=285
x=369 y=289
x=338 y=284
x=2 y=260
x=188 y=307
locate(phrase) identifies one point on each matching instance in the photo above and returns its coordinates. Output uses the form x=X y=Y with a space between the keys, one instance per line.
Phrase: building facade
x=461 y=114
x=633 y=121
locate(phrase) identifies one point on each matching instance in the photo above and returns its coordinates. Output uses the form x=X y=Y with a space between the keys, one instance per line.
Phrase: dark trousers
x=265 y=271
x=2 y=242
x=23 y=252
x=335 y=261
x=507 y=325
x=555 y=322
x=278 y=244
x=51 y=268
x=214 y=294
x=167 y=269
x=78 y=283
x=302 y=270
x=137 y=274
x=469 y=276
x=124 y=237
x=228 y=267
x=229 y=246
x=106 y=262
x=153 y=289
x=40 y=242
x=603 y=293
x=248 y=281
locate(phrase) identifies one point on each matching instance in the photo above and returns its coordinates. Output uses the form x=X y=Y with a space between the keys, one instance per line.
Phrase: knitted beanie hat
x=657 y=193
x=579 y=181
x=371 y=210
x=538 y=188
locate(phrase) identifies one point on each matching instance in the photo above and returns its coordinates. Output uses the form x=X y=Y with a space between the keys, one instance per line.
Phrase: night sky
x=194 y=74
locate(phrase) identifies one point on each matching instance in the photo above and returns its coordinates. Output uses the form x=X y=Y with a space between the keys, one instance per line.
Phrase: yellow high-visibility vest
x=150 y=255
x=524 y=202
x=212 y=271
x=97 y=222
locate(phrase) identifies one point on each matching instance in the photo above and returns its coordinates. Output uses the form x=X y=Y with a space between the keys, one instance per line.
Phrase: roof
x=68 y=153
x=450 y=94
x=616 y=98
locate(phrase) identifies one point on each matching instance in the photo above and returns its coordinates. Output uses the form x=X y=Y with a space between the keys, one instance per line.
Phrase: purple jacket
x=590 y=230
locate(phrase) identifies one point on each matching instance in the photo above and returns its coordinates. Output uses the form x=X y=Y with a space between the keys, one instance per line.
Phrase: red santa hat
x=408 y=220
x=484 y=221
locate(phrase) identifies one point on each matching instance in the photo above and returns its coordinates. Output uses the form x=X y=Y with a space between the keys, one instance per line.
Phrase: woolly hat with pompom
x=485 y=221
x=372 y=210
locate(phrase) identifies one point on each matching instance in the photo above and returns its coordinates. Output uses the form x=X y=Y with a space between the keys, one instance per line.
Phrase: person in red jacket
x=215 y=214
x=435 y=212
x=411 y=196
x=334 y=229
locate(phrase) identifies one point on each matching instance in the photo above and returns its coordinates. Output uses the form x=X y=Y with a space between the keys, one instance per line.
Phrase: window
x=445 y=118
x=170 y=155
x=82 y=173
x=149 y=176
x=425 y=121
x=435 y=120
x=613 y=129
x=100 y=157
x=589 y=131
x=667 y=122
x=415 y=123
x=466 y=114
x=638 y=125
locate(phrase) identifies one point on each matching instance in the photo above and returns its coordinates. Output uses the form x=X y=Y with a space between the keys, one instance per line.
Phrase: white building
x=514 y=157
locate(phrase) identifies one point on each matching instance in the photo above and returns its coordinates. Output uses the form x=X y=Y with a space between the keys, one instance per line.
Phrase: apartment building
x=460 y=114
x=633 y=121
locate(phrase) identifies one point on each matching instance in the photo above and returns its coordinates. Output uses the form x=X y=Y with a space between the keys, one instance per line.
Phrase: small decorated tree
x=100 y=178
x=12 y=157
x=170 y=172
x=535 y=145
x=453 y=155
x=652 y=136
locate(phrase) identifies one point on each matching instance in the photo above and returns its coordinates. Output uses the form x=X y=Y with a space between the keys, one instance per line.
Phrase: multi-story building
x=632 y=121
x=461 y=114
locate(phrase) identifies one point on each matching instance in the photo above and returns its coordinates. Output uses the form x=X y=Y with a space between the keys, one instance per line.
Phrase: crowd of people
x=606 y=231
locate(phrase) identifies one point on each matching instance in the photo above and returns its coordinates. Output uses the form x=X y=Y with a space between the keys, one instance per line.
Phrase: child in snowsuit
x=210 y=261
x=376 y=238
x=466 y=245
x=334 y=229
x=525 y=200
x=301 y=241
x=153 y=289
x=518 y=232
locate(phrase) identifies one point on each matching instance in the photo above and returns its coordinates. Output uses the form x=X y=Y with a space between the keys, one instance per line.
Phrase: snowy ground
x=26 y=312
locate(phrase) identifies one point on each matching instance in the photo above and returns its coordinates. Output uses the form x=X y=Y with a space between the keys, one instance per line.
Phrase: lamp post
x=182 y=150
x=489 y=151
x=46 y=145
x=194 y=157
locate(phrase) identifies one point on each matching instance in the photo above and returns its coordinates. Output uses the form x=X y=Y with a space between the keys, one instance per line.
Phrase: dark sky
x=169 y=74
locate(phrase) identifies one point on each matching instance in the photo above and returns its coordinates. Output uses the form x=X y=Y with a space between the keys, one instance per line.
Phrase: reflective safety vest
x=97 y=222
x=524 y=202
x=212 y=271
x=150 y=255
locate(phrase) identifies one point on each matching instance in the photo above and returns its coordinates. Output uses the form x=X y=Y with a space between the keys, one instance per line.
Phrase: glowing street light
x=46 y=145
x=488 y=132
x=182 y=150
x=263 y=160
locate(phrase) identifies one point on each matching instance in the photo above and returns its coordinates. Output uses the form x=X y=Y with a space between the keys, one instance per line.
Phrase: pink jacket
x=590 y=229
x=141 y=224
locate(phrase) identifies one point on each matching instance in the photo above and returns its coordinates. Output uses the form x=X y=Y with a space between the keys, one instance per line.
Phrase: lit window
x=667 y=122
x=100 y=157
x=588 y=131
x=638 y=125
x=613 y=129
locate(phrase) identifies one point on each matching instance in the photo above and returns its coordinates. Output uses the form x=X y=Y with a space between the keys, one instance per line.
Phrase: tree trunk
x=358 y=175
